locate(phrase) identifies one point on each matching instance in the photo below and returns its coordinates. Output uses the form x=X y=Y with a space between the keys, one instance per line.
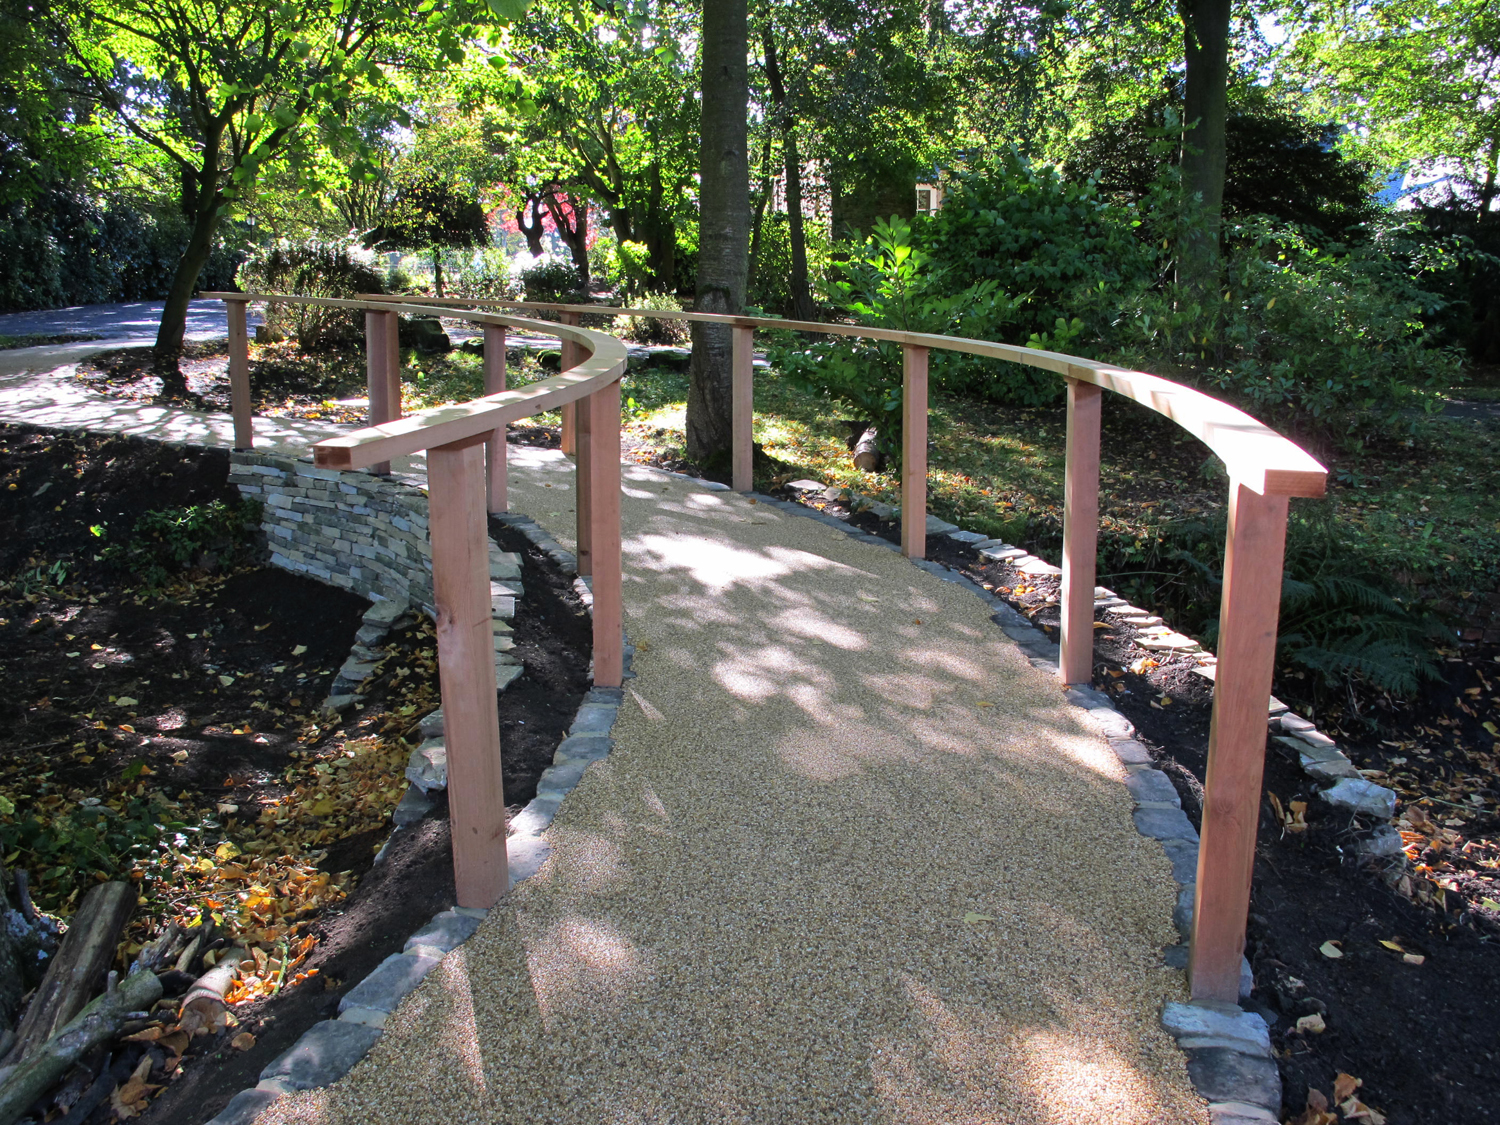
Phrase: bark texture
x=1205 y=28
x=723 y=225
x=802 y=305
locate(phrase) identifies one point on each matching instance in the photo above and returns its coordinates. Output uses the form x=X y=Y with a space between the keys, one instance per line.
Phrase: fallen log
x=867 y=451
x=77 y=969
x=203 y=1007
x=29 y=1079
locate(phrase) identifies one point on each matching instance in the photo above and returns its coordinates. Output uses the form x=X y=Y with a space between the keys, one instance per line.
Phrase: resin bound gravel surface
x=851 y=859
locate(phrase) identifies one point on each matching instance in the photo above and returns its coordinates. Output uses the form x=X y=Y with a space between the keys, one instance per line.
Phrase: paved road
x=132 y=320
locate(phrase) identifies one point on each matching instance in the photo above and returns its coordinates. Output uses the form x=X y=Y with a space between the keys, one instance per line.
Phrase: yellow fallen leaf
x=126 y=701
x=1312 y=1024
x=299 y=650
x=971 y=917
x=325 y=807
x=1330 y=949
x=243 y=1041
x=227 y=850
x=225 y=681
x=1393 y=946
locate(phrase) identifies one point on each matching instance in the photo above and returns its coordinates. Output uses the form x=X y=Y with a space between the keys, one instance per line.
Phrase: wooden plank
x=1260 y=458
x=568 y=361
x=583 y=481
x=495 y=449
x=914 y=452
x=742 y=398
x=1237 y=739
x=239 y=374
x=604 y=470
x=466 y=670
x=1080 y=532
x=377 y=375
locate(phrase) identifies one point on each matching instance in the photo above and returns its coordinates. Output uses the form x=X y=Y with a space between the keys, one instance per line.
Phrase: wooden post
x=742 y=397
x=494 y=449
x=466 y=669
x=239 y=374
x=568 y=361
x=382 y=373
x=583 y=423
x=604 y=470
x=1237 y=740
x=914 y=452
x=1080 y=531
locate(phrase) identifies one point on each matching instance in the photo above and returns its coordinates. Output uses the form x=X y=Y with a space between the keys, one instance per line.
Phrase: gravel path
x=852 y=860
x=756 y=910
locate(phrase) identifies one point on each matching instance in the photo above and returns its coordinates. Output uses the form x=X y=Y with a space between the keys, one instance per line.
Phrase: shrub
x=649 y=330
x=168 y=541
x=886 y=285
x=553 y=281
x=1046 y=242
x=1322 y=342
x=485 y=275
x=312 y=269
x=770 y=285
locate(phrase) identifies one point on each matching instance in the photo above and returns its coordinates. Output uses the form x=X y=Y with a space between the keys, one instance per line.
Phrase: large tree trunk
x=802 y=305
x=1205 y=27
x=723 y=225
x=572 y=223
x=532 y=230
x=174 y=310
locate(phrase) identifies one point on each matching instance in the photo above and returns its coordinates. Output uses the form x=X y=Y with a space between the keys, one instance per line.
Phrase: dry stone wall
x=360 y=532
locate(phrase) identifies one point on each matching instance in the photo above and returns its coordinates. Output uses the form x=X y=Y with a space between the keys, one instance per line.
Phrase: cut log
x=866 y=451
x=77 y=969
x=203 y=1006
x=29 y=1079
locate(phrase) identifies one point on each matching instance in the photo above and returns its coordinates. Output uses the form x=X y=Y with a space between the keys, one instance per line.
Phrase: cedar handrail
x=1265 y=470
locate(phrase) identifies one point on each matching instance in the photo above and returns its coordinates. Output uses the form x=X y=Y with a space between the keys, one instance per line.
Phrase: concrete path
x=852 y=860
x=130 y=321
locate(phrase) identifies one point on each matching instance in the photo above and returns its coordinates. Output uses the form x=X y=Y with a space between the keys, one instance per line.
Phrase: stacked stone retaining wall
x=360 y=532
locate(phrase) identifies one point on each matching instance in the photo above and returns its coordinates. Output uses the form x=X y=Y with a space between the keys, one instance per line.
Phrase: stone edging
x=330 y=1048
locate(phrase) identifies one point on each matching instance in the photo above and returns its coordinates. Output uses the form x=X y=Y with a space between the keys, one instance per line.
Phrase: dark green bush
x=167 y=542
x=553 y=281
x=312 y=269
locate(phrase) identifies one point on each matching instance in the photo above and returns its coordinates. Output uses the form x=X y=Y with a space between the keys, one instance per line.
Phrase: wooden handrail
x=1264 y=468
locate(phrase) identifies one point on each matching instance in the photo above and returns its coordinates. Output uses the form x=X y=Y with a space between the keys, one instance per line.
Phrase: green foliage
x=166 y=542
x=886 y=284
x=1328 y=342
x=553 y=281
x=485 y=275
x=1046 y=242
x=66 y=845
x=649 y=330
x=770 y=285
x=311 y=269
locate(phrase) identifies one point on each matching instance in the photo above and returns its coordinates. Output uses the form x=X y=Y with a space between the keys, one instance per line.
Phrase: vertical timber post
x=1237 y=740
x=239 y=373
x=583 y=426
x=1080 y=531
x=569 y=359
x=604 y=512
x=382 y=369
x=742 y=398
x=914 y=452
x=494 y=448
x=466 y=670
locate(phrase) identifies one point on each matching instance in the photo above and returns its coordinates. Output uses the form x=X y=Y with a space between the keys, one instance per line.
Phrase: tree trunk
x=437 y=272
x=659 y=233
x=723 y=225
x=23 y=1083
x=12 y=981
x=757 y=225
x=532 y=231
x=174 y=310
x=78 y=968
x=1487 y=189
x=573 y=230
x=802 y=306
x=1205 y=26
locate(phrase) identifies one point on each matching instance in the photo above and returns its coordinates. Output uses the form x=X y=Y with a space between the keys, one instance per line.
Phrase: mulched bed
x=1422 y=1037
x=192 y=711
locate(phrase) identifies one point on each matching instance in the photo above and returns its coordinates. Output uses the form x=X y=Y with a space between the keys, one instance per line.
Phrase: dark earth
x=209 y=744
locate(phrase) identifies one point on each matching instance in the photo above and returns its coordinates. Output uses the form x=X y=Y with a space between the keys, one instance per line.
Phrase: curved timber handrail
x=1265 y=471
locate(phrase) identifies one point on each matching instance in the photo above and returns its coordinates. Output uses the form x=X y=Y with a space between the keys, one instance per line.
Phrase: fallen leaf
x=1413 y=958
x=225 y=681
x=126 y=701
x=1345 y=1085
x=227 y=850
x=149 y=1035
x=1312 y=1024
x=299 y=650
x=1393 y=946
x=1356 y=1110
x=1330 y=949
x=243 y=1041
x=179 y=756
x=972 y=917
